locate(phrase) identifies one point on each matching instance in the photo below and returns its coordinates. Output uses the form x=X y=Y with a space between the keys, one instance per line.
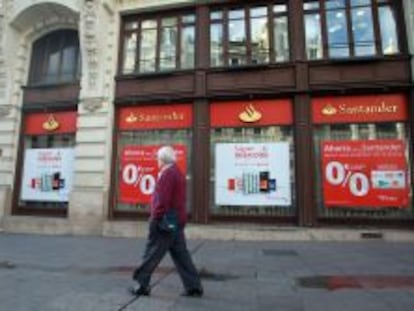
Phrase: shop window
x=350 y=28
x=55 y=58
x=249 y=35
x=252 y=165
x=158 y=43
x=363 y=157
x=142 y=131
x=48 y=163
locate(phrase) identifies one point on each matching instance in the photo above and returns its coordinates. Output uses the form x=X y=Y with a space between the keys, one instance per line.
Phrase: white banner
x=47 y=174
x=253 y=174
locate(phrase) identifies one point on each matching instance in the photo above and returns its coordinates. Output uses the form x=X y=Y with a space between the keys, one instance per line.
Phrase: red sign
x=156 y=117
x=251 y=113
x=352 y=109
x=139 y=172
x=369 y=173
x=50 y=123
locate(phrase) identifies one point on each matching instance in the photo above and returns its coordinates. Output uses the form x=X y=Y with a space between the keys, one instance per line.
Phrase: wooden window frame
x=375 y=5
x=40 y=54
x=224 y=22
x=138 y=31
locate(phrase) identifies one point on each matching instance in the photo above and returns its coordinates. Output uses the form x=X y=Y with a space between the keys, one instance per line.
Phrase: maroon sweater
x=170 y=192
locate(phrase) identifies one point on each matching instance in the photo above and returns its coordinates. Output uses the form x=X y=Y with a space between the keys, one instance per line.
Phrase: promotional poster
x=252 y=174
x=372 y=173
x=47 y=174
x=139 y=172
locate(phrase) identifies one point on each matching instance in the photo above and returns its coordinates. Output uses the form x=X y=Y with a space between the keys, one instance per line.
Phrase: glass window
x=237 y=38
x=45 y=142
x=55 y=58
x=130 y=49
x=165 y=43
x=187 y=47
x=168 y=44
x=153 y=137
x=216 y=45
x=349 y=28
x=255 y=135
x=337 y=33
x=259 y=35
x=388 y=28
x=313 y=34
x=249 y=36
x=363 y=31
x=354 y=183
x=281 y=39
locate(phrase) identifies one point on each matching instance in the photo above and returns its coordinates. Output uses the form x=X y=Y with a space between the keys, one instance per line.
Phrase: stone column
x=9 y=116
x=88 y=206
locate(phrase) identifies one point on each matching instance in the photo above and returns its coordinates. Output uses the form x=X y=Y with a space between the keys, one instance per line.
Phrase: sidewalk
x=83 y=273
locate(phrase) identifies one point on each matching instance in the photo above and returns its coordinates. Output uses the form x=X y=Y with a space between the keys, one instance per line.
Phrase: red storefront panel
x=371 y=173
x=355 y=109
x=139 y=171
x=251 y=113
x=156 y=117
x=50 y=123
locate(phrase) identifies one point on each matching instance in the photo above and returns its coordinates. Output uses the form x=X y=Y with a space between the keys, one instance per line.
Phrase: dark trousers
x=158 y=244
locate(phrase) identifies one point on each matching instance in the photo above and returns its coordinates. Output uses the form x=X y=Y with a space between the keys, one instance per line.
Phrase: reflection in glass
x=259 y=36
x=281 y=39
x=187 y=47
x=237 y=42
x=216 y=45
x=334 y=4
x=148 y=50
x=130 y=51
x=337 y=33
x=313 y=36
x=388 y=27
x=68 y=63
x=363 y=31
x=311 y=5
x=168 y=46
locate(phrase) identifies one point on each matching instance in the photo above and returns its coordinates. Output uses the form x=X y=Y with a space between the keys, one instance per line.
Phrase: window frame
x=224 y=22
x=42 y=49
x=180 y=26
x=374 y=9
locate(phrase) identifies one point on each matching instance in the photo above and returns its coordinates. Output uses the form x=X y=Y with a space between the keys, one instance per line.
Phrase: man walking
x=166 y=229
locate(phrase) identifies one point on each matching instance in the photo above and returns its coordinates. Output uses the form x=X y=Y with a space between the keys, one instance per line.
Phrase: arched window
x=55 y=58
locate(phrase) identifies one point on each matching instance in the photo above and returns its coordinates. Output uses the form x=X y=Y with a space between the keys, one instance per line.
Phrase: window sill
x=50 y=85
x=153 y=75
x=358 y=60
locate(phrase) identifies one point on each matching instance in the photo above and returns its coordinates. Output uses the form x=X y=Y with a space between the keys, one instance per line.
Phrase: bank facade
x=281 y=112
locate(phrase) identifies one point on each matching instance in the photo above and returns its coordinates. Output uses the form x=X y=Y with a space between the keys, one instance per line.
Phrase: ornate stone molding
x=90 y=41
x=92 y=104
x=5 y=110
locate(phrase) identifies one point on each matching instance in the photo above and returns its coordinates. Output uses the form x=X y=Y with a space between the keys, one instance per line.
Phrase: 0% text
x=339 y=174
x=139 y=177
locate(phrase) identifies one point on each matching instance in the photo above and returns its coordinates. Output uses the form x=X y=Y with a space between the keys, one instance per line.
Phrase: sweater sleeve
x=163 y=194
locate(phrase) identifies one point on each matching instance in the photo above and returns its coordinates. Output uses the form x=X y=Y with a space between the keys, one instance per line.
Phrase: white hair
x=166 y=155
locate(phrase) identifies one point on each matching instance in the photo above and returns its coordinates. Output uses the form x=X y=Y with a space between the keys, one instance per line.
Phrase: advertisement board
x=252 y=174
x=139 y=171
x=372 y=173
x=47 y=174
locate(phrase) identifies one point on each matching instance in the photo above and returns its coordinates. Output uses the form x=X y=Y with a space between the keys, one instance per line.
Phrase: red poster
x=139 y=171
x=370 y=173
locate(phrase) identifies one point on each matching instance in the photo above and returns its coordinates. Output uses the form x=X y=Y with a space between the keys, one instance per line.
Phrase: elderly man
x=166 y=229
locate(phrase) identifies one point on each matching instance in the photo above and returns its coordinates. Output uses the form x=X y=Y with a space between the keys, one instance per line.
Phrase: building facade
x=281 y=112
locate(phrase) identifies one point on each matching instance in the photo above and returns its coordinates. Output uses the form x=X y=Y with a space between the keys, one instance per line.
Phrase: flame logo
x=131 y=118
x=250 y=114
x=329 y=110
x=50 y=124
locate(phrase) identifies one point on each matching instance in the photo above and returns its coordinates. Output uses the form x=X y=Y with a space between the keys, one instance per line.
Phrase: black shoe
x=194 y=292
x=138 y=290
